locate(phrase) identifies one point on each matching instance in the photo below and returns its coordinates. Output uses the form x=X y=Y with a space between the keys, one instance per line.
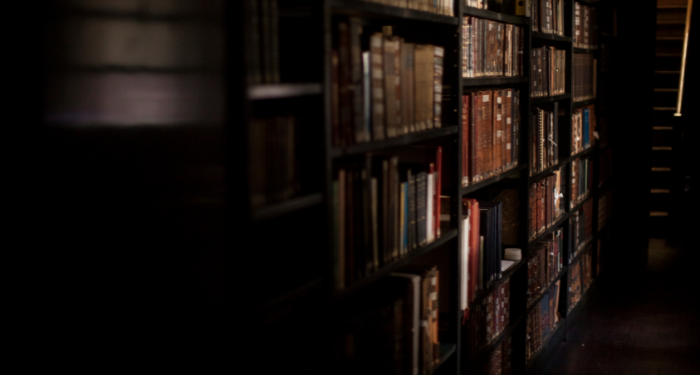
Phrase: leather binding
x=509 y=126
x=407 y=89
x=497 y=123
x=377 y=82
x=437 y=92
x=466 y=146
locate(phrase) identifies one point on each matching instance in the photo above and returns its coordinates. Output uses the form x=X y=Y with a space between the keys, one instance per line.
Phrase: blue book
x=586 y=115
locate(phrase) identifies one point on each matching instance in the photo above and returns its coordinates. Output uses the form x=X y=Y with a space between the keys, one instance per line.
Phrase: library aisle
x=646 y=325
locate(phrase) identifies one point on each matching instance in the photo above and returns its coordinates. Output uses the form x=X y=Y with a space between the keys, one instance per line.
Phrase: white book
x=430 y=208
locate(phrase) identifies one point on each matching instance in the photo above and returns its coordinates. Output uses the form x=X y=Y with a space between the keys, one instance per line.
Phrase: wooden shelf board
x=283 y=90
x=361 y=284
x=585 y=50
x=401 y=140
x=492 y=180
x=549 y=99
x=549 y=230
x=287 y=206
x=585 y=102
x=492 y=81
x=545 y=172
x=368 y=9
x=495 y=16
x=553 y=37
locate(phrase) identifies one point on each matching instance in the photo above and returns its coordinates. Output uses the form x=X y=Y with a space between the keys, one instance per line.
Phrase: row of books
x=574 y=279
x=395 y=329
x=548 y=16
x=499 y=361
x=605 y=166
x=580 y=277
x=604 y=209
x=584 y=76
x=545 y=261
x=585 y=26
x=490 y=133
x=481 y=248
x=491 y=48
x=583 y=128
x=544 y=136
x=445 y=7
x=581 y=179
x=274 y=174
x=546 y=206
x=548 y=72
x=581 y=228
x=489 y=318
x=263 y=54
x=384 y=209
x=542 y=321
x=391 y=89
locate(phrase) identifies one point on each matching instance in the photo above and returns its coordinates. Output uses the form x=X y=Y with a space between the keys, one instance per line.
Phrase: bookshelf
x=324 y=298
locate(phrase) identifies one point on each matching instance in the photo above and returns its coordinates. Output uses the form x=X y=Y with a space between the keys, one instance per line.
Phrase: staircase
x=665 y=169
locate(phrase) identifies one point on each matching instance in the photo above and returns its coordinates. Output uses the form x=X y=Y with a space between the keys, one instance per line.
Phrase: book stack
x=581 y=228
x=545 y=203
x=445 y=7
x=491 y=49
x=274 y=170
x=384 y=208
x=391 y=89
x=489 y=318
x=544 y=136
x=584 y=79
x=490 y=133
x=542 y=321
x=544 y=264
x=583 y=129
x=394 y=329
x=574 y=274
x=548 y=16
x=548 y=72
x=585 y=27
x=263 y=53
x=581 y=180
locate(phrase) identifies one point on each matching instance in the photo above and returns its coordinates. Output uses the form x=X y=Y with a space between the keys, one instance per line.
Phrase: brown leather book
x=508 y=150
x=390 y=47
x=473 y=138
x=408 y=89
x=466 y=147
x=400 y=129
x=487 y=131
x=437 y=86
x=424 y=55
x=497 y=133
x=376 y=44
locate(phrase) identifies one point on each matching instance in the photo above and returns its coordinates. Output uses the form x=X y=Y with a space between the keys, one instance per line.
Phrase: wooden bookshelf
x=316 y=96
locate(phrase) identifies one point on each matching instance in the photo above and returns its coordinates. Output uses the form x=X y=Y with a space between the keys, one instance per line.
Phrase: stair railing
x=683 y=59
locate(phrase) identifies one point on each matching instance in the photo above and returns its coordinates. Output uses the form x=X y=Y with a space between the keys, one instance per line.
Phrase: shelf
x=585 y=102
x=495 y=16
x=549 y=230
x=539 y=175
x=283 y=90
x=492 y=180
x=446 y=351
x=492 y=81
x=581 y=154
x=480 y=295
x=581 y=203
x=367 y=9
x=541 y=295
x=588 y=3
x=549 y=99
x=585 y=50
x=401 y=140
x=556 y=38
x=361 y=284
x=288 y=206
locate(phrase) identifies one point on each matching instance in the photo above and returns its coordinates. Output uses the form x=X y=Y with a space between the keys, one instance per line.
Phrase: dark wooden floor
x=650 y=326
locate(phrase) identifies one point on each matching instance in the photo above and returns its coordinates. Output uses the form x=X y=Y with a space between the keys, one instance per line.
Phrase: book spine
x=377 y=79
x=437 y=95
